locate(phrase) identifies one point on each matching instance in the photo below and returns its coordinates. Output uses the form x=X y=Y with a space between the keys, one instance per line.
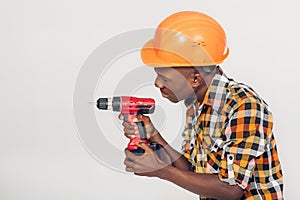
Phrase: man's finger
x=128 y=125
x=130 y=155
x=128 y=163
x=130 y=136
x=130 y=131
x=128 y=169
x=121 y=117
x=139 y=118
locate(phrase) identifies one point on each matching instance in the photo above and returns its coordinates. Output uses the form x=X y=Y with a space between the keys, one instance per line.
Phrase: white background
x=43 y=45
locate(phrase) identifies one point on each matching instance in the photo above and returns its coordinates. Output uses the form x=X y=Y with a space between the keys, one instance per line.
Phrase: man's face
x=174 y=84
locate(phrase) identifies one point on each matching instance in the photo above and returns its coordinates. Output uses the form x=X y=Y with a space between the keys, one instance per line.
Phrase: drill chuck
x=102 y=103
x=109 y=103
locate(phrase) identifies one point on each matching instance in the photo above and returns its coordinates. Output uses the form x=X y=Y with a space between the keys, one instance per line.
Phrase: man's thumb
x=141 y=118
x=144 y=146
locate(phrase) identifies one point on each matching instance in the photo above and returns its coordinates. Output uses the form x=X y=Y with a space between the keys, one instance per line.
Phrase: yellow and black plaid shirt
x=230 y=134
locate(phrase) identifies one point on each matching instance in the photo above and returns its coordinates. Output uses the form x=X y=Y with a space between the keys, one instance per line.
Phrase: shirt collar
x=216 y=93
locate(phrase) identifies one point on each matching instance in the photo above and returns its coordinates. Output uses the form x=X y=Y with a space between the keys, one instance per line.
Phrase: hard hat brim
x=150 y=58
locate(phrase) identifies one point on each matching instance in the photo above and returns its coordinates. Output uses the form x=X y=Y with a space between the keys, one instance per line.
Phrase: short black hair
x=204 y=70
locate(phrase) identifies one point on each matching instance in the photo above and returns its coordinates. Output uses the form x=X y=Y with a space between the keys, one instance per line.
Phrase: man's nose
x=158 y=83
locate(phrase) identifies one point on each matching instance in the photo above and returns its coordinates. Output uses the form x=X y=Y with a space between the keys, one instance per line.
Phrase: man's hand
x=147 y=164
x=130 y=130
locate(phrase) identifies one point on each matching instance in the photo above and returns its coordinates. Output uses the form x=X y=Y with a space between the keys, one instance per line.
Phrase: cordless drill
x=130 y=107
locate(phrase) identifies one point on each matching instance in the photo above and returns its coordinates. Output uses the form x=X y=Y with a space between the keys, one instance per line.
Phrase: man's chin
x=173 y=100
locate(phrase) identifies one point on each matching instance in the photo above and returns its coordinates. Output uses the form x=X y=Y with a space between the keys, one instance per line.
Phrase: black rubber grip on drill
x=142 y=130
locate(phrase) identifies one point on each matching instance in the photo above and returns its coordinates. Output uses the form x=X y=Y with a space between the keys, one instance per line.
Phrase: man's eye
x=165 y=80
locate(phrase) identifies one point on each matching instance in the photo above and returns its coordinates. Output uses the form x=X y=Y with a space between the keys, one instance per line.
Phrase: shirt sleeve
x=246 y=135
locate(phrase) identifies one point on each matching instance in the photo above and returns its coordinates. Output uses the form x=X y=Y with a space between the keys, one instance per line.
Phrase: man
x=229 y=151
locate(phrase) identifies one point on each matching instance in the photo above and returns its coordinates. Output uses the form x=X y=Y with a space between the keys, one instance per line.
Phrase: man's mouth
x=165 y=95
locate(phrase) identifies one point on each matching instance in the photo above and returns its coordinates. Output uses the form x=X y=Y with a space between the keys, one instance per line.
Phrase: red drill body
x=130 y=107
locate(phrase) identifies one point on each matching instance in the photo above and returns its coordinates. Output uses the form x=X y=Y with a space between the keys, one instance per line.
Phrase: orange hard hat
x=186 y=38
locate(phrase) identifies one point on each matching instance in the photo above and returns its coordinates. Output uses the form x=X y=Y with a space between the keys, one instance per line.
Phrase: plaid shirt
x=230 y=134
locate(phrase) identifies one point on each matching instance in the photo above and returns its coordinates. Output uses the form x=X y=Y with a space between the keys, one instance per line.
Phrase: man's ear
x=196 y=80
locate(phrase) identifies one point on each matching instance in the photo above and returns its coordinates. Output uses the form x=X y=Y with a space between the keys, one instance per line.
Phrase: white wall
x=43 y=46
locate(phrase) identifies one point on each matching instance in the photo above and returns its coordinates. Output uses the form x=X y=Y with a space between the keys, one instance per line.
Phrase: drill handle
x=142 y=130
x=140 y=125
